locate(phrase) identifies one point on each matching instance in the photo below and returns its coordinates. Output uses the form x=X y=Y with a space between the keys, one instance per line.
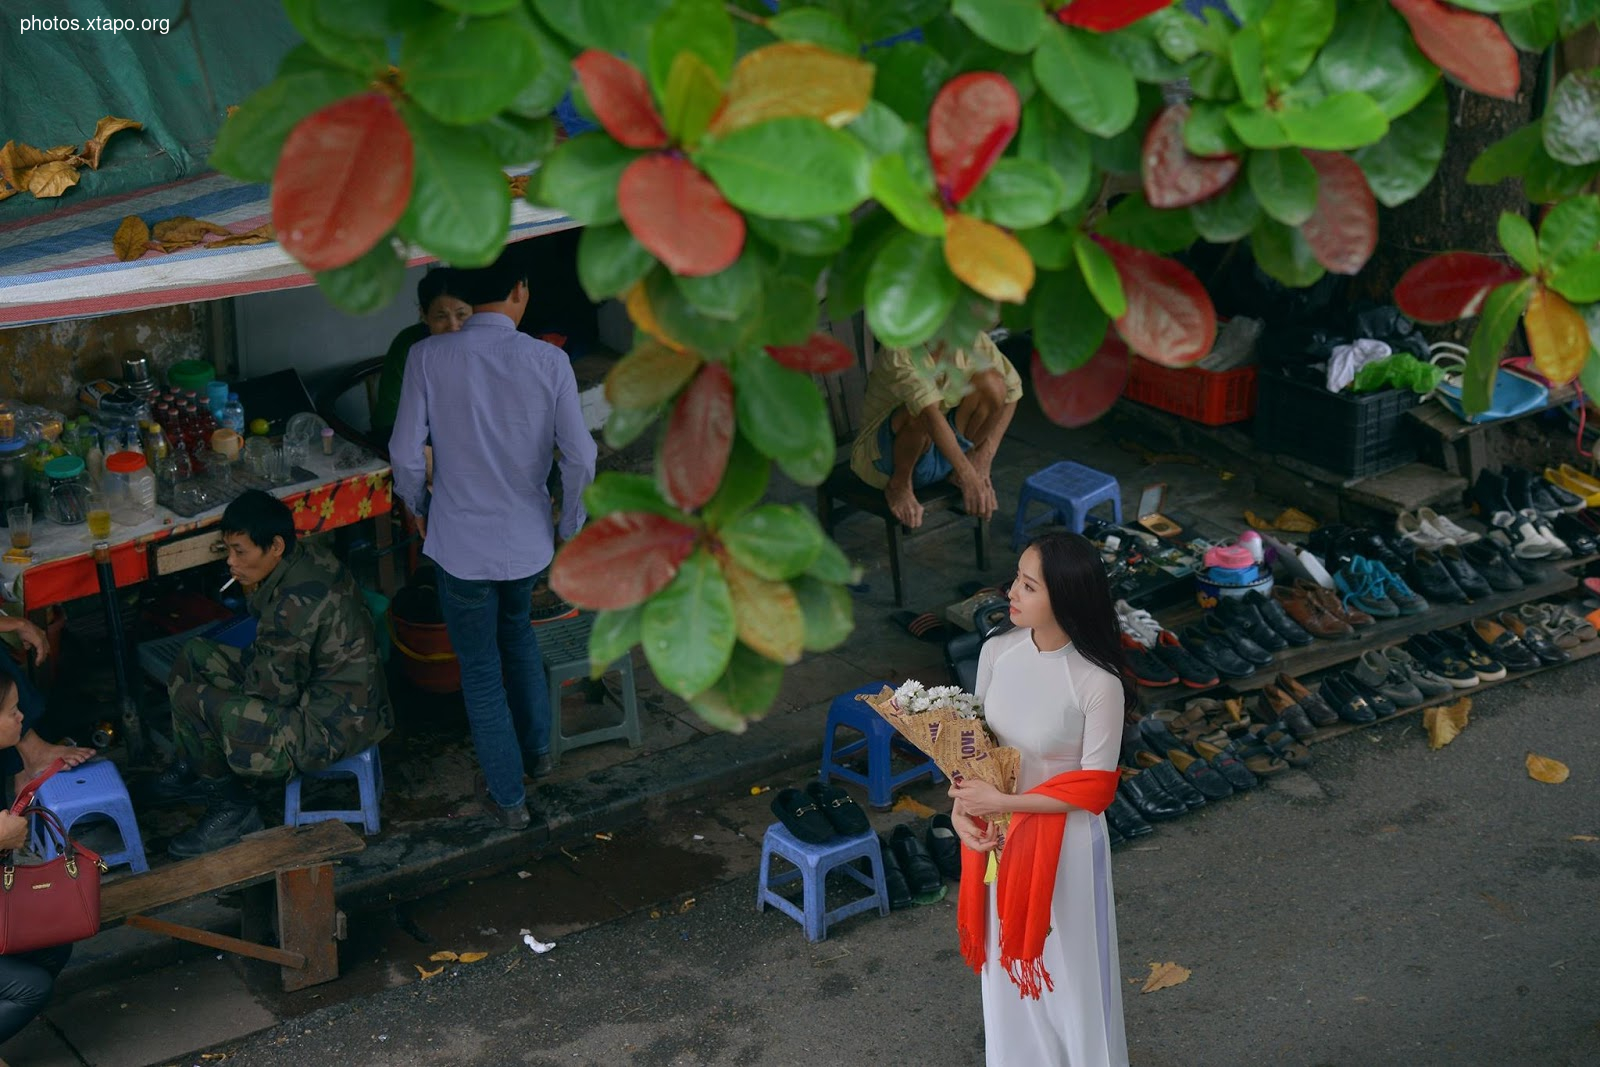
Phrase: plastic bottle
x=232 y=415
x=95 y=459
x=156 y=445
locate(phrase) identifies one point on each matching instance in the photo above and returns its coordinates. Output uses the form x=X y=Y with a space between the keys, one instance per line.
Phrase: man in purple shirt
x=495 y=405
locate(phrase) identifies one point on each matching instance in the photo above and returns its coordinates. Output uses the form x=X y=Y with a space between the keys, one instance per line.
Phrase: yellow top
x=905 y=378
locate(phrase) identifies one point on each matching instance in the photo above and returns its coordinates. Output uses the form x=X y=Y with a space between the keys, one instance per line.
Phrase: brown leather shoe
x=1306 y=611
x=1316 y=709
x=1329 y=602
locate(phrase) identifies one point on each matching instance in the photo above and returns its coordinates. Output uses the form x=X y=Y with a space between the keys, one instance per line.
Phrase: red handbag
x=52 y=903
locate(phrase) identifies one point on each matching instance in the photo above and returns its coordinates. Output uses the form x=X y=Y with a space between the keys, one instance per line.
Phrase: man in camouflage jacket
x=307 y=692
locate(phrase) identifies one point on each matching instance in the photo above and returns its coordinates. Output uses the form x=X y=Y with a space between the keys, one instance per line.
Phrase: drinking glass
x=20 y=520
x=99 y=510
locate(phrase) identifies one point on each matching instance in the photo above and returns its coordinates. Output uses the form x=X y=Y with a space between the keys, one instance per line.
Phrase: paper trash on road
x=534 y=943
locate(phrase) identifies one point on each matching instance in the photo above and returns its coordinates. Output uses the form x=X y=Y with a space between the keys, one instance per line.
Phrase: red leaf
x=1173 y=176
x=1470 y=47
x=699 y=437
x=679 y=216
x=972 y=120
x=1451 y=286
x=820 y=354
x=620 y=560
x=1080 y=396
x=343 y=181
x=1103 y=16
x=1343 y=230
x=620 y=99
x=1169 y=319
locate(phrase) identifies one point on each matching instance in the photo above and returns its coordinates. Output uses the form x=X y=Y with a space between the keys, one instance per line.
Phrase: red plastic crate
x=1212 y=398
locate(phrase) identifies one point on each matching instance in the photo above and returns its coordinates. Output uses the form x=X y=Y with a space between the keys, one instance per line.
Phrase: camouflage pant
x=218 y=727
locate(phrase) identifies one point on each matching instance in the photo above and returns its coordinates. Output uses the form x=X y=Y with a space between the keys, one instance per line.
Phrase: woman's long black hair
x=1080 y=599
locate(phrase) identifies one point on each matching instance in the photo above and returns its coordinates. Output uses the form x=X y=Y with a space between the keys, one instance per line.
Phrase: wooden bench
x=843 y=493
x=285 y=873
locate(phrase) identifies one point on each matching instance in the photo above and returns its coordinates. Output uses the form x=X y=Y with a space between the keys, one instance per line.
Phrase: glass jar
x=68 y=502
x=13 y=473
x=130 y=489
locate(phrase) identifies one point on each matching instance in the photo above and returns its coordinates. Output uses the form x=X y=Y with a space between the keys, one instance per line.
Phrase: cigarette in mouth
x=225 y=585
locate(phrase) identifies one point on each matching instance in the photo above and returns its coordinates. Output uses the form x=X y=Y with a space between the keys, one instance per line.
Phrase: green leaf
x=697 y=27
x=1247 y=11
x=1571 y=231
x=539 y=96
x=1177 y=32
x=903 y=196
x=1576 y=14
x=1100 y=274
x=1336 y=123
x=369 y=284
x=1589 y=376
x=806 y=237
x=1533 y=29
x=746 y=691
x=847 y=278
x=789 y=311
x=1139 y=49
x=1049 y=137
x=1134 y=222
x=774 y=541
x=1495 y=7
x=908 y=77
x=743 y=484
x=827 y=610
x=729 y=293
x=972 y=315
x=1402 y=164
x=612 y=634
x=1572 y=119
x=364 y=55
x=580 y=177
x=1284 y=254
x=688 y=324
x=687 y=629
x=1124 y=153
x=1501 y=313
x=516 y=140
x=1517 y=238
x=1017 y=194
x=1079 y=73
x=1548 y=180
x=1229 y=216
x=780 y=410
x=1257 y=128
x=1246 y=58
x=1207 y=133
x=880 y=129
x=615 y=491
x=788 y=168
x=624 y=425
x=1579 y=279
x=460 y=205
x=817 y=27
x=610 y=261
x=1509 y=157
x=1284 y=184
x=250 y=140
x=1068 y=324
x=381 y=19
x=611 y=25
x=1372 y=52
x=691 y=100
x=464 y=70
x=1050 y=247
x=1012 y=25
x=909 y=290
x=1291 y=33
x=832 y=565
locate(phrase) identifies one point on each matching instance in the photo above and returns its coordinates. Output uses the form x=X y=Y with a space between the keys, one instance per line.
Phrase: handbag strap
x=25 y=797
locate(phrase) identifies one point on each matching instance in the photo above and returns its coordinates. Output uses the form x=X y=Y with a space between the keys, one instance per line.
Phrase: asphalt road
x=1391 y=905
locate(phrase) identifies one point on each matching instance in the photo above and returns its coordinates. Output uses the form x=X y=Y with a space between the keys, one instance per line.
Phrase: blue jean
x=502 y=678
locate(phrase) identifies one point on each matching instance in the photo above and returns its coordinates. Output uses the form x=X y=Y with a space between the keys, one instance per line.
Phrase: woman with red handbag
x=26 y=980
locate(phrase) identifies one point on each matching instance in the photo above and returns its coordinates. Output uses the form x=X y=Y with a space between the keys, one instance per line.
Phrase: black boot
x=178 y=784
x=230 y=814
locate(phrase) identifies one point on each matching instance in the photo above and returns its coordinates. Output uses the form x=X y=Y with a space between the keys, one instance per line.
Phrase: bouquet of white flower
x=947 y=725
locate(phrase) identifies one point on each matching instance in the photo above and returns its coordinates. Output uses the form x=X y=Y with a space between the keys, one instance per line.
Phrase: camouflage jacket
x=315 y=652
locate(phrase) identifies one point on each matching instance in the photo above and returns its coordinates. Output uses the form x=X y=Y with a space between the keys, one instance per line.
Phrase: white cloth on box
x=1346 y=360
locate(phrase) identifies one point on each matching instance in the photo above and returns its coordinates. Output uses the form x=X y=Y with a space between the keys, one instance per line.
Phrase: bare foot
x=40 y=756
x=903 y=503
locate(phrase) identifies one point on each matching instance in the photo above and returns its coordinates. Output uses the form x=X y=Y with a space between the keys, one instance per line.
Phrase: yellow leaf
x=186 y=230
x=1557 y=336
x=52 y=179
x=648 y=375
x=472 y=957
x=693 y=96
x=644 y=317
x=987 y=258
x=1546 y=770
x=102 y=133
x=131 y=238
x=795 y=78
x=914 y=806
x=767 y=614
x=425 y=974
x=1444 y=722
x=16 y=160
x=258 y=236
x=443 y=957
x=1165 y=975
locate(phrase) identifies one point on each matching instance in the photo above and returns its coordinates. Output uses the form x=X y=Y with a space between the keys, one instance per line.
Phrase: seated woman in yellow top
x=441 y=311
x=925 y=420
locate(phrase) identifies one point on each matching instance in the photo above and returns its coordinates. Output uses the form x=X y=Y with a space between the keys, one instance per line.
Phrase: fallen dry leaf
x=52 y=179
x=686 y=906
x=519 y=185
x=1583 y=837
x=1544 y=769
x=1165 y=975
x=259 y=236
x=471 y=957
x=131 y=239
x=185 y=230
x=442 y=957
x=1444 y=722
x=102 y=133
x=426 y=974
x=915 y=807
x=17 y=159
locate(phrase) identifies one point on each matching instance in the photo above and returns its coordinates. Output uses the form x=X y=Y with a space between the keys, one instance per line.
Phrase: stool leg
x=894 y=561
x=1019 y=528
x=879 y=881
x=880 y=794
x=815 y=902
x=761 y=875
x=1116 y=507
x=291 y=802
x=630 y=703
x=981 y=536
x=367 y=790
x=830 y=731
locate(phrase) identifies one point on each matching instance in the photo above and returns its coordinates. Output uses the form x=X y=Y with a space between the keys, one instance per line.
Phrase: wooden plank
x=258 y=856
x=1442 y=421
x=281 y=957
x=307 y=925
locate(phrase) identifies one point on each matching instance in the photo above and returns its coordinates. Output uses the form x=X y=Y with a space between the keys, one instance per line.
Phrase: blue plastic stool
x=368 y=770
x=879 y=739
x=93 y=788
x=1070 y=491
x=812 y=863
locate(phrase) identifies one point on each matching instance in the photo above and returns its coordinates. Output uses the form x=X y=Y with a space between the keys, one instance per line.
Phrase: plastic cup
x=99 y=513
x=20 y=521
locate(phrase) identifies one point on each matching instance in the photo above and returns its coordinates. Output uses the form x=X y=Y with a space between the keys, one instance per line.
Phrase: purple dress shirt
x=495 y=404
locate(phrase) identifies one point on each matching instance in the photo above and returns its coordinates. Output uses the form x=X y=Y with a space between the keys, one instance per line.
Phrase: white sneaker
x=1456 y=535
x=1418 y=532
x=1138 y=624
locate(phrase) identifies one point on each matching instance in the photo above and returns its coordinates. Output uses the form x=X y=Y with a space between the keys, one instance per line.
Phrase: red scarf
x=1027 y=880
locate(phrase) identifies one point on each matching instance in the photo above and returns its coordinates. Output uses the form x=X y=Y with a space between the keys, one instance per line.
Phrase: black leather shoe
x=178 y=784
x=1126 y=820
x=1204 y=777
x=1498 y=643
x=1382 y=707
x=1214 y=651
x=1113 y=835
x=1168 y=778
x=1153 y=802
x=1524 y=489
x=894 y=879
x=1528 y=570
x=1439 y=658
x=839 y=808
x=1430 y=577
x=1351 y=706
x=1487 y=561
x=801 y=817
x=1488 y=495
x=922 y=874
x=1486 y=667
x=1470 y=581
x=1577 y=536
x=1273 y=615
x=1234 y=772
x=1242 y=644
x=1192 y=671
x=944 y=846
x=1158 y=737
x=230 y=814
x=1233 y=615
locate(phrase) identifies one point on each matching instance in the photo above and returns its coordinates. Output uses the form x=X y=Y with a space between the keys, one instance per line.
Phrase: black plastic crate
x=1352 y=435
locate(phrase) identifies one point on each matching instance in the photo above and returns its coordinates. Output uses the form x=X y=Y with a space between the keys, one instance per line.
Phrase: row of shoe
x=1576 y=482
x=916 y=867
x=1465 y=568
x=1540 y=518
